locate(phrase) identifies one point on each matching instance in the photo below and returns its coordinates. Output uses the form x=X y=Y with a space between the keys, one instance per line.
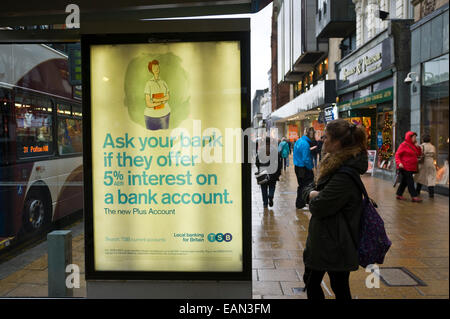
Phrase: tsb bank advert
x=167 y=185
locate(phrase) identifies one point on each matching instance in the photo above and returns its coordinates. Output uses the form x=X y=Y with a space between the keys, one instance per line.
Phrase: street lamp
x=408 y=78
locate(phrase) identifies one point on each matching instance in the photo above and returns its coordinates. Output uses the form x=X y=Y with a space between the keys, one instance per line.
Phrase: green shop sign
x=374 y=98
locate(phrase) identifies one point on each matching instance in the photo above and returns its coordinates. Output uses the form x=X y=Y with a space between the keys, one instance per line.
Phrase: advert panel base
x=169 y=289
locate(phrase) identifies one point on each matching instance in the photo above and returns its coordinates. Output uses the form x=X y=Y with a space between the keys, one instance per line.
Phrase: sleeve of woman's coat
x=333 y=197
x=306 y=190
x=398 y=155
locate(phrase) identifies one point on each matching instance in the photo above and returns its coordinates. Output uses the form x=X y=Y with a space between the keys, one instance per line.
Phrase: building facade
x=364 y=50
x=303 y=63
x=370 y=76
x=369 y=20
x=280 y=92
x=430 y=80
x=256 y=103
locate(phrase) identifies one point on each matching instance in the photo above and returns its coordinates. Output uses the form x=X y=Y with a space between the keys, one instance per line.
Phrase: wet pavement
x=419 y=233
x=26 y=275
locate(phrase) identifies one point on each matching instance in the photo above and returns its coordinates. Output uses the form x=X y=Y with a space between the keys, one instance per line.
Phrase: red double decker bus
x=40 y=140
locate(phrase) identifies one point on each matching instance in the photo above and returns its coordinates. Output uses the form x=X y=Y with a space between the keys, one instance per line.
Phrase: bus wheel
x=36 y=211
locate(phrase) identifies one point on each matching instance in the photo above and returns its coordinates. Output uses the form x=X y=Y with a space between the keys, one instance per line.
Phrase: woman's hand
x=313 y=194
x=400 y=165
x=152 y=103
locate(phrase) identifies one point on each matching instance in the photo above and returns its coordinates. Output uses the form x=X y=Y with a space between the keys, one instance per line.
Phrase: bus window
x=4 y=106
x=6 y=154
x=76 y=111
x=3 y=121
x=70 y=133
x=33 y=126
x=64 y=109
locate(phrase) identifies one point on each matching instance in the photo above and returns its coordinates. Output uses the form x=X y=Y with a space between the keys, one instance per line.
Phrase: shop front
x=304 y=111
x=294 y=127
x=430 y=87
x=371 y=92
x=375 y=113
x=292 y=132
x=434 y=113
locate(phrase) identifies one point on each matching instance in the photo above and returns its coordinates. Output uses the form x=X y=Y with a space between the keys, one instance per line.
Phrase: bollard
x=59 y=256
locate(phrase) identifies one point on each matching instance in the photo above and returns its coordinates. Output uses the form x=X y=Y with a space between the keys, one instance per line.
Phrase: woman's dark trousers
x=285 y=162
x=406 y=180
x=339 y=281
x=304 y=178
x=268 y=191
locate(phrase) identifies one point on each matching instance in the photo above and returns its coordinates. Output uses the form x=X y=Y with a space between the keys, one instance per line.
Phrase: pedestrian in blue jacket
x=303 y=166
x=284 y=151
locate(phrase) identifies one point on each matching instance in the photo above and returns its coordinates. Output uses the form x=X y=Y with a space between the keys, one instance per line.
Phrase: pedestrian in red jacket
x=407 y=164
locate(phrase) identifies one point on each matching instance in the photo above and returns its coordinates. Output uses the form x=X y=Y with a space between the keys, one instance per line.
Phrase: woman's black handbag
x=262 y=178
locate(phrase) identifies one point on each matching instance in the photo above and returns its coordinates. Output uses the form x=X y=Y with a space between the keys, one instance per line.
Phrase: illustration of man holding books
x=157 y=111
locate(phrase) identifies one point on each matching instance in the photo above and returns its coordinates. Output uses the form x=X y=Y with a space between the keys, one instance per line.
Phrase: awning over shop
x=374 y=98
x=323 y=93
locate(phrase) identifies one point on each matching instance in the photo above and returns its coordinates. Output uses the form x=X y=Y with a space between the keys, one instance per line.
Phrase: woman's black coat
x=329 y=246
x=274 y=177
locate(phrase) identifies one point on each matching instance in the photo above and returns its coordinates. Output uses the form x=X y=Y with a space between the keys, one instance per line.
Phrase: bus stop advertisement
x=167 y=213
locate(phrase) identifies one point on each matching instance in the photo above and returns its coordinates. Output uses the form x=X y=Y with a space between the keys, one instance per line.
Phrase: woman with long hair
x=335 y=203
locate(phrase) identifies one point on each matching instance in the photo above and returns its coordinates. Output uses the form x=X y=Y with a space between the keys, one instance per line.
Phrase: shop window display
x=293 y=132
x=319 y=128
x=435 y=112
x=366 y=122
x=385 y=140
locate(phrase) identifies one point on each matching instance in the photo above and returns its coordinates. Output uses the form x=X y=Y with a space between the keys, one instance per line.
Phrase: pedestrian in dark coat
x=269 y=159
x=319 y=147
x=335 y=203
x=313 y=146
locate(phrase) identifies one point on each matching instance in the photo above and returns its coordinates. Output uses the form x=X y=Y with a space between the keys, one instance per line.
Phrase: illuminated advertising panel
x=293 y=132
x=165 y=193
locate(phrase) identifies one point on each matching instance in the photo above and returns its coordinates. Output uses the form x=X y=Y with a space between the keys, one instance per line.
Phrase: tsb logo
x=219 y=237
